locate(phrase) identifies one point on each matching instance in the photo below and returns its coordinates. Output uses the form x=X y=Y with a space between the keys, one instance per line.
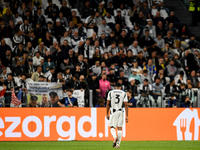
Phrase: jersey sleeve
x=125 y=98
x=109 y=96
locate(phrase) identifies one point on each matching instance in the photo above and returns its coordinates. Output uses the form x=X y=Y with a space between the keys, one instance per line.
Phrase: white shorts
x=116 y=119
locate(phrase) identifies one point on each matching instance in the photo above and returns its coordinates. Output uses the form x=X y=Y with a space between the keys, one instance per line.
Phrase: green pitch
x=83 y=145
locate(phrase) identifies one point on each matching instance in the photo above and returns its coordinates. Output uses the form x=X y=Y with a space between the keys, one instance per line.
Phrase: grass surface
x=105 y=145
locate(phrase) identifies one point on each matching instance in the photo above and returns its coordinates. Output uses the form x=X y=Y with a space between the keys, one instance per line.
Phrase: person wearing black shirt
x=50 y=9
x=129 y=59
x=168 y=39
x=111 y=77
x=78 y=70
x=65 y=10
x=72 y=57
x=93 y=84
x=171 y=88
x=120 y=20
x=146 y=40
x=193 y=43
x=124 y=38
x=74 y=84
x=141 y=59
x=83 y=82
x=123 y=78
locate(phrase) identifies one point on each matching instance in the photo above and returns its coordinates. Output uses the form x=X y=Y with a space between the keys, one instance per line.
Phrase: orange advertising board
x=90 y=124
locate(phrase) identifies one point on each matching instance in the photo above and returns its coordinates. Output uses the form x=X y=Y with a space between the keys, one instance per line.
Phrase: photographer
x=188 y=103
x=172 y=101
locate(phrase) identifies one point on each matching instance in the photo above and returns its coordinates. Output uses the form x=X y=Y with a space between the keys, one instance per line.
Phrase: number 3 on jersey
x=117 y=99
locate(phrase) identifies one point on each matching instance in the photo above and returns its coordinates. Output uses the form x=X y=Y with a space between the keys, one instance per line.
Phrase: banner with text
x=40 y=88
x=90 y=124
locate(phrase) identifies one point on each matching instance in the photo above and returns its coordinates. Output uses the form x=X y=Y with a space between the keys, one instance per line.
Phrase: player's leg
x=113 y=124
x=113 y=132
x=119 y=136
x=119 y=127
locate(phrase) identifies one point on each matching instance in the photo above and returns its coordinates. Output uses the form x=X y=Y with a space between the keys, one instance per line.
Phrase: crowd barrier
x=90 y=124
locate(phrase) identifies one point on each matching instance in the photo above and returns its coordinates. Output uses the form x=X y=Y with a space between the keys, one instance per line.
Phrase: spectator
x=86 y=10
x=101 y=102
x=150 y=68
x=135 y=76
x=103 y=28
x=50 y=75
x=35 y=75
x=180 y=78
x=11 y=85
x=135 y=48
x=145 y=10
x=74 y=84
x=141 y=20
x=146 y=40
x=74 y=18
x=160 y=29
x=48 y=64
x=194 y=78
x=7 y=17
x=132 y=87
x=4 y=47
x=145 y=75
x=157 y=90
x=70 y=101
x=59 y=29
x=160 y=41
x=157 y=19
x=131 y=100
x=151 y=28
x=65 y=10
x=104 y=85
x=38 y=59
x=110 y=20
x=173 y=19
x=39 y=18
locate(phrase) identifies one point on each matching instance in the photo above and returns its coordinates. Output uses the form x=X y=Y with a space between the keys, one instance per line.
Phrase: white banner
x=39 y=88
x=80 y=97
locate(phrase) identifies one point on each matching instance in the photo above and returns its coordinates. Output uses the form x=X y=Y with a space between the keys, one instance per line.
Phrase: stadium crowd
x=94 y=44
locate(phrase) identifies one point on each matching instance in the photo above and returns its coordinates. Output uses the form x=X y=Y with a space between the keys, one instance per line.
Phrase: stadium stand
x=149 y=46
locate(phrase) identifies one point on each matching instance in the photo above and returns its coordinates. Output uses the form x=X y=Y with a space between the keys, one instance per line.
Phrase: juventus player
x=115 y=100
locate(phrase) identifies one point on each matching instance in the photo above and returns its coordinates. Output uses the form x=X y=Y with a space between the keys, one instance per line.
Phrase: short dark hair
x=76 y=76
x=70 y=90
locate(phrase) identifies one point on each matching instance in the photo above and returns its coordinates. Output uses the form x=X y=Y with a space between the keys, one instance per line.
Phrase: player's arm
x=108 y=105
x=126 y=106
x=126 y=109
x=107 y=109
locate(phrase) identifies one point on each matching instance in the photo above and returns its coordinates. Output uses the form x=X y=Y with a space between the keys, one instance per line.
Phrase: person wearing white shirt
x=110 y=20
x=103 y=28
x=151 y=28
x=96 y=46
x=66 y=37
x=37 y=59
x=160 y=41
x=135 y=48
x=112 y=49
x=18 y=19
x=76 y=39
x=96 y=68
x=49 y=74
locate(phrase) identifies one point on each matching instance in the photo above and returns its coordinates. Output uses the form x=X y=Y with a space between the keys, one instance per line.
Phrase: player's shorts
x=116 y=119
